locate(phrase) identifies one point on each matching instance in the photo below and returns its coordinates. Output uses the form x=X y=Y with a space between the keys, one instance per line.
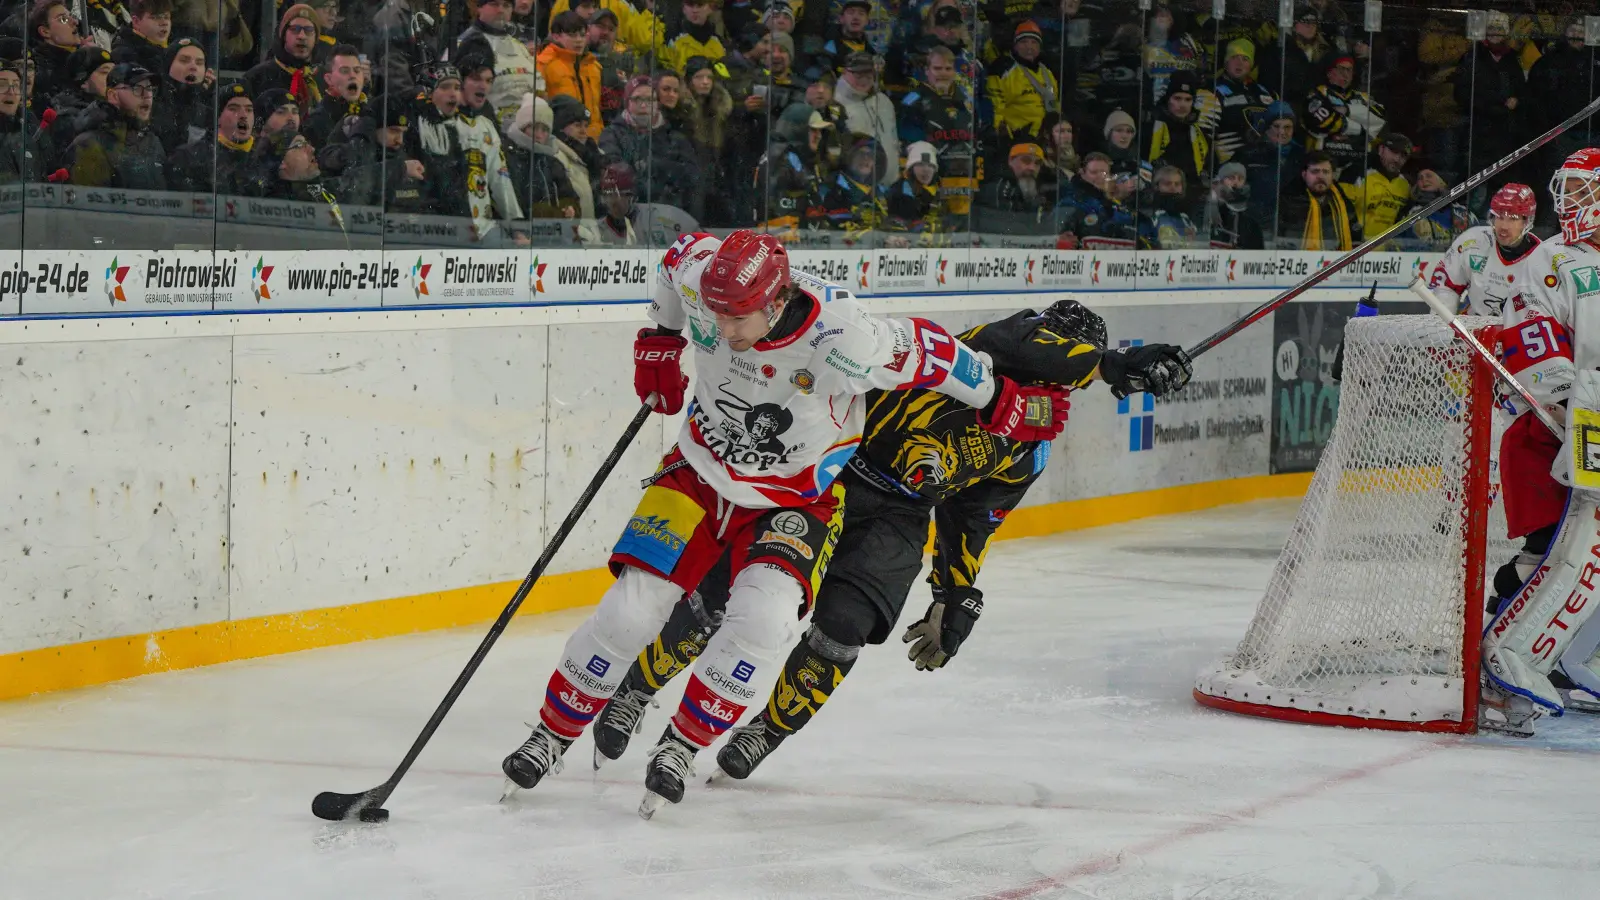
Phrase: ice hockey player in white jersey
x=1488 y=264
x=782 y=363
x=1551 y=340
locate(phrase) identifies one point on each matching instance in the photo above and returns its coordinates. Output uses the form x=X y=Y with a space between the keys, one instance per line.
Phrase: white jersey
x=775 y=425
x=1476 y=277
x=1537 y=325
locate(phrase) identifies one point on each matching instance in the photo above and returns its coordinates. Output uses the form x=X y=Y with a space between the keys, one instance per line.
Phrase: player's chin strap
x=1535 y=628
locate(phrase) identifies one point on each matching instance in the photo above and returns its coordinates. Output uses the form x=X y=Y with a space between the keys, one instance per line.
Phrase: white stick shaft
x=1449 y=316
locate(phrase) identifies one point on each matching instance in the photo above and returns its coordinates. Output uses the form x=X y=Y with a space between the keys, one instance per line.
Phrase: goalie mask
x=1576 y=189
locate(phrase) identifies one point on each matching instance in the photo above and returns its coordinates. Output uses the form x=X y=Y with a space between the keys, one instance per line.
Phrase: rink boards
x=181 y=491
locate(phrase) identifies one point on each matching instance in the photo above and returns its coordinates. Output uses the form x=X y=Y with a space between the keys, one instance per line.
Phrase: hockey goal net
x=1375 y=606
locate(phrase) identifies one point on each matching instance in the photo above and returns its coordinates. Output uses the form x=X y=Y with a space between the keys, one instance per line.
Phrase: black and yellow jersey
x=930 y=449
x=926 y=446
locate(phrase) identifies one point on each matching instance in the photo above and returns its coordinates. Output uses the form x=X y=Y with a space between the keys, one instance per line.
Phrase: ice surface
x=1059 y=756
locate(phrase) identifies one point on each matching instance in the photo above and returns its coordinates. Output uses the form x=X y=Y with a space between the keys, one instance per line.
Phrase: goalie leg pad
x=1533 y=630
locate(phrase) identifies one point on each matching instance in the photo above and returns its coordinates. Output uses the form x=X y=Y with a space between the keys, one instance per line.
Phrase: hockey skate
x=1574 y=697
x=670 y=764
x=1501 y=711
x=621 y=719
x=747 y=746
x=538 y=756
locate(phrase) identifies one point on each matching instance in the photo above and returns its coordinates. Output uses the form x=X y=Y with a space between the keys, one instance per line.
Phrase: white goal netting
x=1365 y=615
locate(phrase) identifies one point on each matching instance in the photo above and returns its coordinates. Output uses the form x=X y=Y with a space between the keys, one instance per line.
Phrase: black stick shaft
x=1459 y=191
x=378 y=795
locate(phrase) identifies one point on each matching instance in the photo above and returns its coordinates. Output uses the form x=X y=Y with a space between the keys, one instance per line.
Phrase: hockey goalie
x=1540 y=651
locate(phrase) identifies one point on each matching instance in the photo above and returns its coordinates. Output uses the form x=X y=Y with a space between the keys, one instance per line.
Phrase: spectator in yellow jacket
x=697 y=36
x=569 y=68
x=1382 y=191
x=1021 y=89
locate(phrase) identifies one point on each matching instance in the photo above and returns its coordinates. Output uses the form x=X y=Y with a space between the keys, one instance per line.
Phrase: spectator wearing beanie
x=185 y=103
x=87 y=71
x=1242 y=98
x=869 y=112
x=1175 y=139
x=570 y=69
x=709 y=108
x=143 y=41
x=213 y=165
x=1272 y=161
x=378 y=167
x=1017 y=202
x=1303 y=60
x=1022 y=90
x=1164 y=220
x=846 y=37
x=854 y=203
x=289 y=67
x=516 y=71
x=1342 y=122
x=575 y=149
x=544 y=188
x=664 y=162
x=343 y=95
x=54 y=32
x=284 y=167
x=120 y=150
x=785 y=85
x=1121 y=136
x=696 y=36
x=1228 y=220
x=913 y=201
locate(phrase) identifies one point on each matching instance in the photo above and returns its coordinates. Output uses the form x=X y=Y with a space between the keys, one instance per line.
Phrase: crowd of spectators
x=1067 y=123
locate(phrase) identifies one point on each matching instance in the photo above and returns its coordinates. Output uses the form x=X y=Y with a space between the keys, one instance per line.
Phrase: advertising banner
x=106 y=281
x=1305 y=398
x=1214 y=428
x=304 y=279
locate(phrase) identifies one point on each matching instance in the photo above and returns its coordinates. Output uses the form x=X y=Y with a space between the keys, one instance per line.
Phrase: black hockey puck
x=374 y=814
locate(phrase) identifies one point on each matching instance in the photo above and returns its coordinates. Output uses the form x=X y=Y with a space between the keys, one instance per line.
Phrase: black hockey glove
x=938 y=636
x=1156 y=369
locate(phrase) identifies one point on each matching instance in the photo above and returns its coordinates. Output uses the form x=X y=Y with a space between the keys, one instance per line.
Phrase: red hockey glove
x=1032 y=412
x=657 y=369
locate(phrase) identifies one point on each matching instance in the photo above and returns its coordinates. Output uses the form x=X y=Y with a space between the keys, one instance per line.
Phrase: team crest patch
x=1551 y=281
x=804 y=380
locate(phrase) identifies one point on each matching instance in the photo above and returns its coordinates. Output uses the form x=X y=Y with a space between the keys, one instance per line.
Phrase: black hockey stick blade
x=367 y=806
x=1454 y=194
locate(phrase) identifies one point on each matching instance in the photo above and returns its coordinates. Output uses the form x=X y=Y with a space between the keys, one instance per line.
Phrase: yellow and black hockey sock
x=810 y=675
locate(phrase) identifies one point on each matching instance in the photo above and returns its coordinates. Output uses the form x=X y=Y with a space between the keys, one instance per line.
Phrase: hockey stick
x=1455 y=193
x=1450 y=318
x=368 y=805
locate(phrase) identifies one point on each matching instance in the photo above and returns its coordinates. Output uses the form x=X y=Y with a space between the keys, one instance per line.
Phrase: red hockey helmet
x=1513 y=200
x=1576 y=189
x=748 y=273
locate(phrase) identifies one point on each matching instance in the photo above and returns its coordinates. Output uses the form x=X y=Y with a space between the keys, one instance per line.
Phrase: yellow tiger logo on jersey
x=925 y=459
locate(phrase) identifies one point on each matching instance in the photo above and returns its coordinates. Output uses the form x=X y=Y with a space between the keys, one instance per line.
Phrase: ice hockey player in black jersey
x=920 y=454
